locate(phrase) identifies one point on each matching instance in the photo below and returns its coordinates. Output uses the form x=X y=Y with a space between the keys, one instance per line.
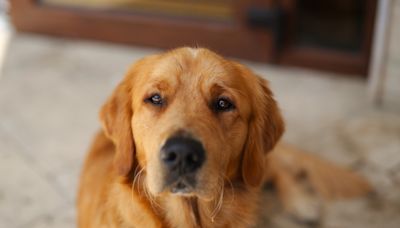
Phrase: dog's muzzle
x=181 y=157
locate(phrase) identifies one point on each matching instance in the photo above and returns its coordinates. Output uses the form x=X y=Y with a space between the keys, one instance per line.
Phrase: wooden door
x=288 y=32
x=222 y=26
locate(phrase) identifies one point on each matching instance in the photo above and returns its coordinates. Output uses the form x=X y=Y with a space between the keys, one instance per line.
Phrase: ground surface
x=51 y=90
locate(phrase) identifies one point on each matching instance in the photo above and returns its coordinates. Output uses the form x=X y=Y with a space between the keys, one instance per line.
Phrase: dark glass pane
x=332 y=24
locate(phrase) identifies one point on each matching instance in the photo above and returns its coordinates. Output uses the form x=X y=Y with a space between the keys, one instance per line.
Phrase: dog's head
x=192 y=120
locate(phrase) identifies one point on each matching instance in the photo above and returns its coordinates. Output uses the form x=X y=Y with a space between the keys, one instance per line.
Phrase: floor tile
x=24 y=193
x=63 y=217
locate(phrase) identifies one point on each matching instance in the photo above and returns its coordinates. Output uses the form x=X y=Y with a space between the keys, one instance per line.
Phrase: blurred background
x=334 y=66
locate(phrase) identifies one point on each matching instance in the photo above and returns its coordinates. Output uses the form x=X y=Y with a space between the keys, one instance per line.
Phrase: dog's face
x=192 y=121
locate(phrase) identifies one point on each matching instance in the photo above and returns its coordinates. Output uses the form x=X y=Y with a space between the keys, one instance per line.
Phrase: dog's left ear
x=115 y=116
x=265 y=129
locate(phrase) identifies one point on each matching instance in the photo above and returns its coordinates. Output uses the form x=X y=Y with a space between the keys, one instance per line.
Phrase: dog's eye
x=155 y=99
x=223 y=105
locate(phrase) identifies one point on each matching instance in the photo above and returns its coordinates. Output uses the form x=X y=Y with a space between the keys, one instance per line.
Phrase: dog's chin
x=199 y=191
x=189 y=191
x=179 y=188
x=182 y=189
x=186 y=186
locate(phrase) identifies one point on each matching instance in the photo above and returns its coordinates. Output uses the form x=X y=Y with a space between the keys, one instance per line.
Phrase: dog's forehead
x=192 y=65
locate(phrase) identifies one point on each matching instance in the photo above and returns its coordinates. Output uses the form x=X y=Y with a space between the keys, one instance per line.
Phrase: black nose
x=182 y=155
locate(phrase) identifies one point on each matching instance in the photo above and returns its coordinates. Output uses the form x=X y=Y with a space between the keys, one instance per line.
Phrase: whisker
x=139 y=184
x=137 y=176
x=153 y=203
x=218 y=206
x=231 y=187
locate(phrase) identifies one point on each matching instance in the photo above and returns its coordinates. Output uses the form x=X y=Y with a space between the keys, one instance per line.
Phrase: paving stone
x=63 y=217
x=377 y=138
x=24 y=193
x=361 y=213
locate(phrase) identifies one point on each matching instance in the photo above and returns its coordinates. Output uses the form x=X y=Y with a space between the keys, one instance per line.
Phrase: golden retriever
x=188 y=140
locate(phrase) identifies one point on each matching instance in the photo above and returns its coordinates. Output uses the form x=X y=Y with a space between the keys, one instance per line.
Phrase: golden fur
x=122 y=180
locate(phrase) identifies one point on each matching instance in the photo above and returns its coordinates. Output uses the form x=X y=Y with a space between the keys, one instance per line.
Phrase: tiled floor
x=51 y=90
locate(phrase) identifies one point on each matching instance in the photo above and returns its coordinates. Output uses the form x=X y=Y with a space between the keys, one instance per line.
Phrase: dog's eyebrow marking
x=161 y=84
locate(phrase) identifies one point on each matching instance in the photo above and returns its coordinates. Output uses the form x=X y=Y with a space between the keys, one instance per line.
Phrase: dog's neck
x=194 y=209
x=179 y=211
x=235 y=208
x=186 y=206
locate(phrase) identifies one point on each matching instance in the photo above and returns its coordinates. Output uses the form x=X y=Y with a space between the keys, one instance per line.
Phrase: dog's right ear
x=115 y=116
x=266 y=127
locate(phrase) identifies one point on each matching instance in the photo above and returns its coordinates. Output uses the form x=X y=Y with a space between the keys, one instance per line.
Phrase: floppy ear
x=265 y=129
x=115 y=116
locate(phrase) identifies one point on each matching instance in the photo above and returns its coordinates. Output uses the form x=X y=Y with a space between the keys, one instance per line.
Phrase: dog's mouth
x=183 y=186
